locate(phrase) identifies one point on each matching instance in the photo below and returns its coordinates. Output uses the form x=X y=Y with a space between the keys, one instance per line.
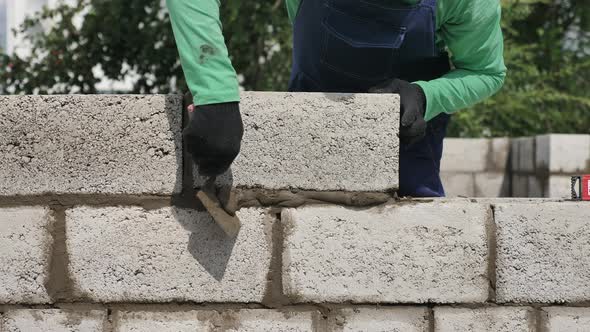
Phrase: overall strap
x=429 y=3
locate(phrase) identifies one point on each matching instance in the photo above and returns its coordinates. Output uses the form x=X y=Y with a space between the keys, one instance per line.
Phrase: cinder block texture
x=317 y=141
x=127 y=254
x=90 y=144
x=465 y=155
x=500 y=154
x=566 y=319
x=458 y=184
x=53 y=320
x=412 y=253
x=397 y=319
x=497 y=319
x=563 y=153
x=559 y=186
x=210 y=321
x=492 y=185
x=25 y=252
x=523 y=154
x=542 y=252
x=520 y=185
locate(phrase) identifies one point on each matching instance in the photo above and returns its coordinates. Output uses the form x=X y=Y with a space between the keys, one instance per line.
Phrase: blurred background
x=127 y=46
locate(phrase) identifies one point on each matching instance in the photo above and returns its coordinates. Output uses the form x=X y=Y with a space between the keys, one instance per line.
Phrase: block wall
x=539 y=166
x=100 y=230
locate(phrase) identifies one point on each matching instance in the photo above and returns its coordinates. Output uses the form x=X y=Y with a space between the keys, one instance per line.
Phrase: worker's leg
x=420 y=163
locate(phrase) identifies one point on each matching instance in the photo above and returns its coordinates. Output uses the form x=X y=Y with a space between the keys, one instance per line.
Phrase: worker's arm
x=214 y=132
x=209 y=73
x=471 y=30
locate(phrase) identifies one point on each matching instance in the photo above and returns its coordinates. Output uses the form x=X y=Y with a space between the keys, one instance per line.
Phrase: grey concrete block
x=497 y=319
x=523 y=154
x=563 y=154
x=542 y=252
x=559 y=186
x=55 y=320
x=253 y=320
x=465 y=155
x=535 y=186
x=317 y=141
x=90 y=144
x=458 y=184
x=407 y=253
x=500 y=154
x=492 y=185
x=25 y=252
x=520 y=185
x=565 y=319
x=127 y=254
x=398 y=319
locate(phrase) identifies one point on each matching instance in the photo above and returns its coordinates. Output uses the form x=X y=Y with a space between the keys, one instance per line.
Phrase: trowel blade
x=230 y=224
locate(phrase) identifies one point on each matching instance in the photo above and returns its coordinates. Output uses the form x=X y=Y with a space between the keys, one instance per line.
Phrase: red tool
x=581 y=188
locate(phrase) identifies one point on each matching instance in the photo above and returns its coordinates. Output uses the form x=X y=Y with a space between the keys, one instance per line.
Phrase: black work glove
x=213 y=136
x=413 y=107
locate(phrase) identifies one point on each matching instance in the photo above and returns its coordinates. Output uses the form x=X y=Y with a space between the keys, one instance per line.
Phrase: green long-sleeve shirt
x=469 y=29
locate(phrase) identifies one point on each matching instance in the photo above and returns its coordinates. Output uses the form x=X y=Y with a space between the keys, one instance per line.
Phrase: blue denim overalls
x=353 y=45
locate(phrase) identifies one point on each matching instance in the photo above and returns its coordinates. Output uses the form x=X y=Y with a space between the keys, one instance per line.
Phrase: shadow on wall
x=207 y=242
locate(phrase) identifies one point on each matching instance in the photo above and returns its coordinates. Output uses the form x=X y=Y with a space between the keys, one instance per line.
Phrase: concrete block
x=500 y=155
x=407 y=253
x=252 y=320
x=492 y=185
x=565 y=319
x=458 y=184
x=127 y=254
x=542 y=252
x=520 y=185
x=535 y=186
x=523 y=155
x=497 y=319
x=25 y=252
x=317 y=141
x=406 y=319
x=90 y=144
x=563 y=154
x=465 y=155
x=559 y=186
x=54 y=320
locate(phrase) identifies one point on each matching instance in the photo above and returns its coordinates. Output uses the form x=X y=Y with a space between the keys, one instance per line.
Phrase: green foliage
x=547 y=87
x=547 y=52
x=134 y=38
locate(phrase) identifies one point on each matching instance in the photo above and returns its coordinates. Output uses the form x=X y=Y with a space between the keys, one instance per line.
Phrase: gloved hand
x=413 y=107
x=213 y=136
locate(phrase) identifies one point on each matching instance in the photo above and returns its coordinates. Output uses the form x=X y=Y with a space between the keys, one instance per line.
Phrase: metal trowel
x=227 y=220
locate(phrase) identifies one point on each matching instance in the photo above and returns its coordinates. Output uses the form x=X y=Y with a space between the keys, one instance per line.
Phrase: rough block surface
x=258 y=320
x=542 y=252
x=458 y=184
x=563 y=154
x=25 y=252
x=88 y=144
x=492 y=185
x=410 y=253
x=497 y=319
x=54 y=320
x=399 y=319
x=559 y=186
x=317 y=141
x=566 y=319
x=465 y=155
x=128 y=254
x=523 y=154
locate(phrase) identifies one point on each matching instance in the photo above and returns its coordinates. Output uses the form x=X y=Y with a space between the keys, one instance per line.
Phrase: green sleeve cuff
x=208 y=99
x=431 y=110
